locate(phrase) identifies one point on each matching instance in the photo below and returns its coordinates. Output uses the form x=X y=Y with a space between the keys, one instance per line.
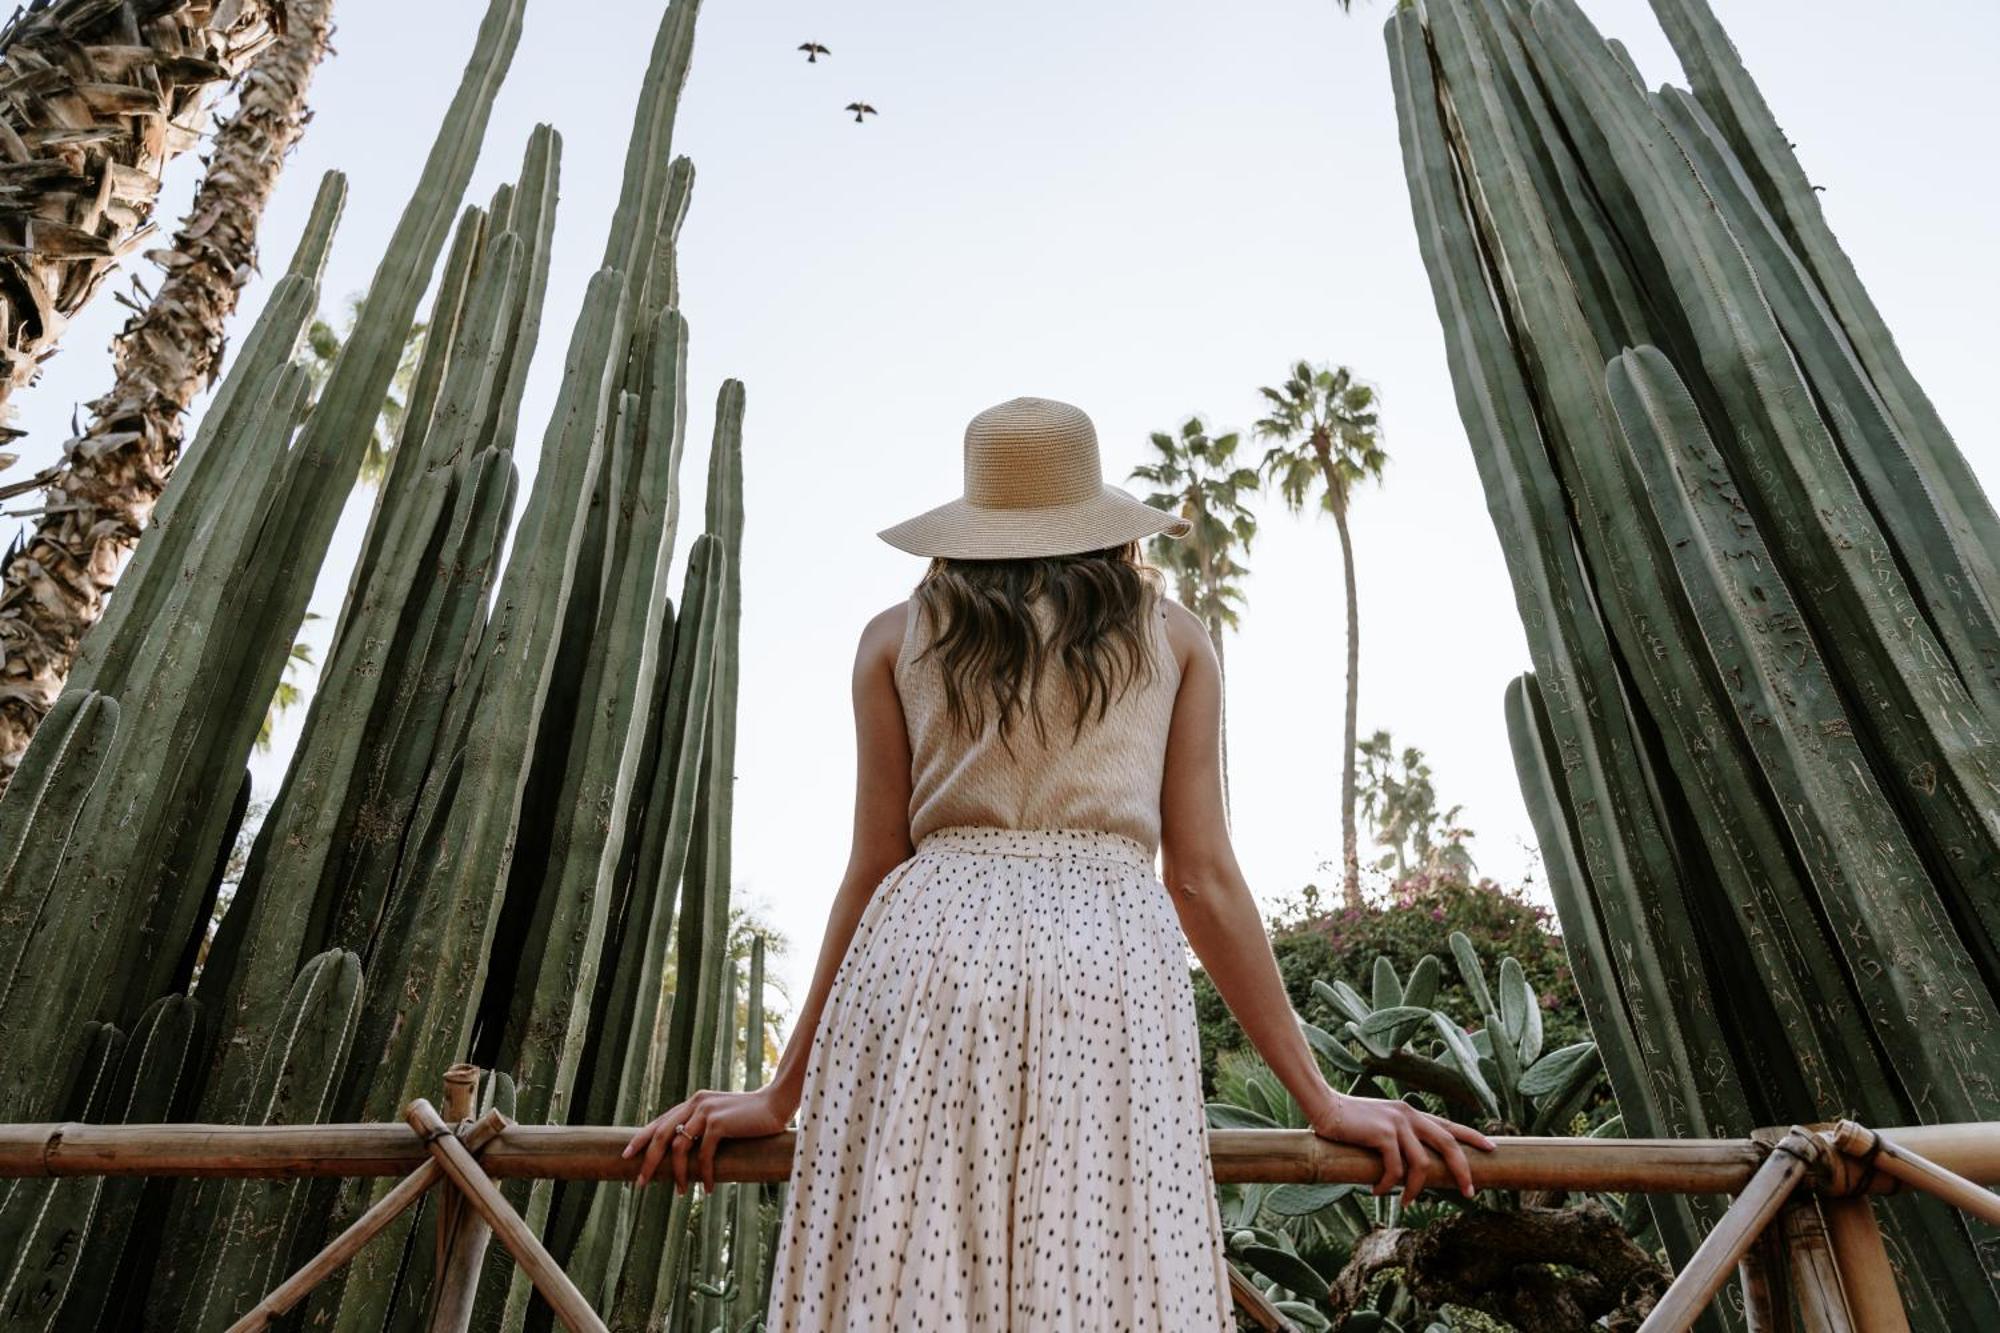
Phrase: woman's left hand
x=702 y=1122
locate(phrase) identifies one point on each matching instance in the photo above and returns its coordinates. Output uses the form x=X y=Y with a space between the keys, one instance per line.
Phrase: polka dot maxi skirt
x=1001 y=1126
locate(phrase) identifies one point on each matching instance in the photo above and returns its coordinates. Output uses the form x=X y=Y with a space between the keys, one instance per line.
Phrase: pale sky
x=1148 y=210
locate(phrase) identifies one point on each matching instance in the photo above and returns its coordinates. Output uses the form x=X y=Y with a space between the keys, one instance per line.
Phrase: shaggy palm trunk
x=110 y=477
x=1350 y=851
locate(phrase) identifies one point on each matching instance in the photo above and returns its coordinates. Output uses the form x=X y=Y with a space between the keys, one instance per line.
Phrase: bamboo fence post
x=1731 y=1237
x=462 y=1234
x=1760 y=1272
x=1863 y=1261
x=362 y=1230
x=1883 y=1153
x=547 y=1275
x=1816 y=1285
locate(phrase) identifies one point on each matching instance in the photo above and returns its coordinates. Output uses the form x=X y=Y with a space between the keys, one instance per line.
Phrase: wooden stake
x=363 y=1229
x=462 y=1234
x=1815 y=1277
x=1727 y=1242
x=479 y=1189
x=1890 y=1158
x=1866 y=1276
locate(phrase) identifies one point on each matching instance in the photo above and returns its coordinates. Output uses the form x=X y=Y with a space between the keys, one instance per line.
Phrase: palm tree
x=1399 y=799
x=1196 y=475
x=1327 y=441
x=322 y=346
x=102 y=491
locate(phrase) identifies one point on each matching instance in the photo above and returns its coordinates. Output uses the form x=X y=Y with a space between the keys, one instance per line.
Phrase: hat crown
x=1031 y=453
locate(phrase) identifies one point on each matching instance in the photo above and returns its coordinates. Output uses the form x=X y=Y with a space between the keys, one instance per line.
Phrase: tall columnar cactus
x=1758 y=585
x=511 y=796
x=208 y=633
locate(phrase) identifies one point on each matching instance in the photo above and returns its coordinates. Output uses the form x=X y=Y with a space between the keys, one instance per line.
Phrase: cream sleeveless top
x=1106 y=779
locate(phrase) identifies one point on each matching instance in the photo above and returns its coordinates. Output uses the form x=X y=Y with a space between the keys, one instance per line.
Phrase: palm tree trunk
x=1221 y=670
x=1350 y=851
x=97 y=99
x=110 y=477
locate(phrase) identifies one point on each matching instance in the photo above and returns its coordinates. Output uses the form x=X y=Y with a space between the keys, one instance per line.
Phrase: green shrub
x=1315 y=940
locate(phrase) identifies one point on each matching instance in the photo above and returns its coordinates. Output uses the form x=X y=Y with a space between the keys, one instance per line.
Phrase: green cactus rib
x=1885 y=466
x=58 y=772
x=425 y=1018
x=41 y=1219
x=1768 y=819
x=1895 y=945
x=92 y=918
x=1729 y=95
x=157 y=1077
x=430 y=956
x=108 y=652
x=554 y=989
x=643 y=195
x=315 y=814
x=1900 y=947
x=719 y=1205
x=618 y=1224
x=1875 y=631
x=255 y=1223
x=1628 y=855
x=702 y=928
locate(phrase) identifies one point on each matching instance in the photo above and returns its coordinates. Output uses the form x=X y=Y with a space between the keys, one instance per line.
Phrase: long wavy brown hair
x=993 y=652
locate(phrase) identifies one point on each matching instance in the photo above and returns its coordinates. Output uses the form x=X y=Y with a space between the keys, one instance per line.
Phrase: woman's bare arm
x=881 y=842
x=881 y=838
x=1222 y=923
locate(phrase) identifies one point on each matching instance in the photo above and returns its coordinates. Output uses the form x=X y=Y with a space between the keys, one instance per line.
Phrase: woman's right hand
x=699 y=1125
x=1401 y=1134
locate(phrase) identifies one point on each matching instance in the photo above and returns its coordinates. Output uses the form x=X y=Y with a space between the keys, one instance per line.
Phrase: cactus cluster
x=1759 y=588
x=509 y=806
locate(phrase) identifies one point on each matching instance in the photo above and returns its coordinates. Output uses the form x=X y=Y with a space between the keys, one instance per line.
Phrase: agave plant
x=1338 y=1256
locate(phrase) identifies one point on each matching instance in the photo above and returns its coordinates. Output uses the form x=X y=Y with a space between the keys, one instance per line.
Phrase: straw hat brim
x=962 y=530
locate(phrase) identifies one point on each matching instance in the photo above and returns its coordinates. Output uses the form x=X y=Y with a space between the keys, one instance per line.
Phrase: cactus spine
x=1761 y=811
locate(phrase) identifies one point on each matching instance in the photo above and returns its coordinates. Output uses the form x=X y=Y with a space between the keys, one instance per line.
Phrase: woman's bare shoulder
x=882 y=636
x=1185 y=632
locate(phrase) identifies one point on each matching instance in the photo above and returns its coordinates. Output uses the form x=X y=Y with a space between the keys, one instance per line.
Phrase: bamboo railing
x=1801 y=1194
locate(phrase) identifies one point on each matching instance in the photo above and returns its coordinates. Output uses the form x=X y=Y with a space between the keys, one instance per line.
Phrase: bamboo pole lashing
x=462 y=1234
x=542 y=1269
x=358 y=1233
x=1720 y=1252
x=1889 y=1157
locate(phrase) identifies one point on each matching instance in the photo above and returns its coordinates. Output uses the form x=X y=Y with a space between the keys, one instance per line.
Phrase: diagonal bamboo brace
x=1729 y=1239
x=363 y=1229
x=1867 y=1146
x=508 y=1228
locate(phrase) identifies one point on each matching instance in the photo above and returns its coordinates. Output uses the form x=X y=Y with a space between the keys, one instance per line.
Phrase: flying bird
x=860 y=109
x=813 y=52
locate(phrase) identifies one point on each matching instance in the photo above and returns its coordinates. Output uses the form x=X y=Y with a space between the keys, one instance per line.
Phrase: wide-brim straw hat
x=1034 y=486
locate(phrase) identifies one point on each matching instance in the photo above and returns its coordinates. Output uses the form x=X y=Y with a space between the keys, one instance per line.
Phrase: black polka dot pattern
x=1002 y=1127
